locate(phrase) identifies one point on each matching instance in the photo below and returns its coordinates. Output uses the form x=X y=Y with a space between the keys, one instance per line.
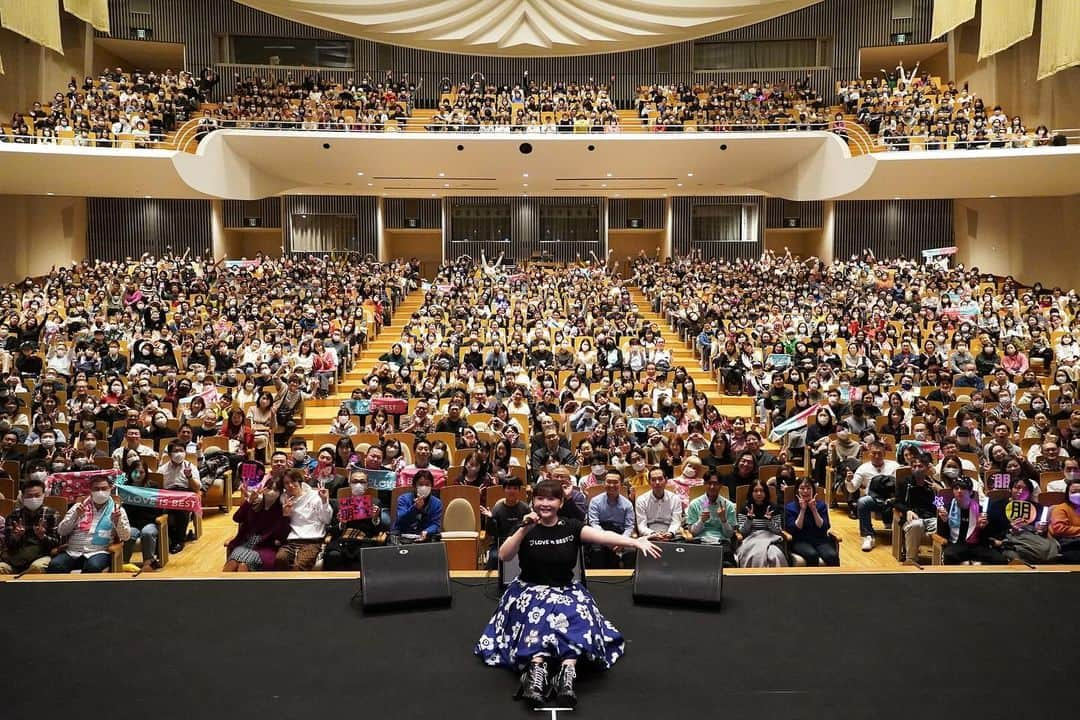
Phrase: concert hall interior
x=706 y=334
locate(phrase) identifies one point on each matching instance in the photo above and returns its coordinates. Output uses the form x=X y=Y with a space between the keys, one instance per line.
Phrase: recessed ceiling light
x=524 y=184
x=359 y=173
x=446 y=184
x=678 y=184
x=524 y=174
x=148 y=197
x=370 y=184
x=603 y=184
x=50 y=194
x=689 y=174
x=609 y=174
x=432 y=194
x=896 y=197
x=993 y=196
x=442 y=174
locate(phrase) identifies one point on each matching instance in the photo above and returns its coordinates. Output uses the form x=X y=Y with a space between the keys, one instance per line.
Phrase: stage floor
x=961 y=645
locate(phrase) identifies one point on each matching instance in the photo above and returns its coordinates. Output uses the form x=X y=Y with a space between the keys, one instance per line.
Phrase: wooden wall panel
x=682 y=222
x=892 y=228
x=128 y=227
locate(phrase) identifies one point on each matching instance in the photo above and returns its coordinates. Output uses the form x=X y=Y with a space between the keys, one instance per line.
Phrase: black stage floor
x=961 y=646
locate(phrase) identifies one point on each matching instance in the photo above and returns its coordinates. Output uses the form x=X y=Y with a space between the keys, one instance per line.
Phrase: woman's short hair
x=548 y=489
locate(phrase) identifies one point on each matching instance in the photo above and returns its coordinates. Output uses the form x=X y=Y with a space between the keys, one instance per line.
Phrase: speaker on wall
x=252 y=222
x=412 y=213
x=399 y=576
x=686 y=574
x=634 y=214
x=792 y=222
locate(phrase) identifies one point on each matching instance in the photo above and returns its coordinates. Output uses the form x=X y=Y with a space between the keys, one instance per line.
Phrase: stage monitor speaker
x=404 y=576
x=685 y=574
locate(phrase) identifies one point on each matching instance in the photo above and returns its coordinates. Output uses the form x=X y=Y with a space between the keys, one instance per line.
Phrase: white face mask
x=48 y=442
x=178 y=457
x=1074 y=498
x=599 y=470
x=423 y=491
x=299 y=454
x=689 y=472
x=99 y=496
x=33 y=503
x=438 y=454
x=639 y=466
x=358 y=488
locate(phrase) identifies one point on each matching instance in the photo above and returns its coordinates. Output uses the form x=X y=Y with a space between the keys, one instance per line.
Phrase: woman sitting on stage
x=545 y=614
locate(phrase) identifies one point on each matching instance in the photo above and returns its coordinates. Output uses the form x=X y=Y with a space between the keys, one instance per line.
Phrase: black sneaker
x=175 y=548
x=534 y=684
x=563 y=686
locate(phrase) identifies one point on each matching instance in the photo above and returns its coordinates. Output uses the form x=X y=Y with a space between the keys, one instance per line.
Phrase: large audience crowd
x=900 y=109
x=116 y=106
x=732 y=106
x=904 y=109
x=935 y=395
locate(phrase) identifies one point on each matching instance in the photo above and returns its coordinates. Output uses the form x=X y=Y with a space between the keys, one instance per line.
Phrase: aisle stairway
x=682 y=353
x=320 y=413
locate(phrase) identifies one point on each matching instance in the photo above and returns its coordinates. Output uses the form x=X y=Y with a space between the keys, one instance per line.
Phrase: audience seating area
x=868 y=377
x=899 y=110
x=906 y=110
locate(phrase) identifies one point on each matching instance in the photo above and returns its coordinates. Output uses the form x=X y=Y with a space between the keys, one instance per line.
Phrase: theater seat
x=460 y=534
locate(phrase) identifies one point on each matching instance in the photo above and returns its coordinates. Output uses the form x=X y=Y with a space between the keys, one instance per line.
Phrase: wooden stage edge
x=482 y=575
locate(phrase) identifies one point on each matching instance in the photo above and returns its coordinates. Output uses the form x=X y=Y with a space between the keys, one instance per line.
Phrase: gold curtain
x=949 y=14
x=95 y=12
x=38 y=20
x=1060 y=48
x=1004 y=23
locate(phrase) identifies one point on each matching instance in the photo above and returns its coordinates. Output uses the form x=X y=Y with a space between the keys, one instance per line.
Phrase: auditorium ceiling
x=528 y=27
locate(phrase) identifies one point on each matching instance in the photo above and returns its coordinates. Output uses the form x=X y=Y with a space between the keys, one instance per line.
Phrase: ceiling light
x=50 y=194
x=609 y=174
x=678 y=184
x=359 y=173
x=147 y=196
x=993 y=196
x=370 y=184
x=524 y=174
x=689 y=174
x=603 y=184
x=524 y=184
x=442 y=174
x=446 y=184
x=432 y=194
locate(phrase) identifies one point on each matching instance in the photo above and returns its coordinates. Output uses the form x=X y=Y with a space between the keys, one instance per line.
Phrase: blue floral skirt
x=560 y=622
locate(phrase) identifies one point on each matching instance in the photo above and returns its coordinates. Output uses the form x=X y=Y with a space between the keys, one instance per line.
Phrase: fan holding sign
x=1018 y=529
x=358 y=524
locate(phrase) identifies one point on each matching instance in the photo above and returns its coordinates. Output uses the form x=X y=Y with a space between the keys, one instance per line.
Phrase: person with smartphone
x=90 y=526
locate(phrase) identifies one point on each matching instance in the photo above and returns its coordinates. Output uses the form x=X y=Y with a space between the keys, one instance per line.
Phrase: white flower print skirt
x=560 y=622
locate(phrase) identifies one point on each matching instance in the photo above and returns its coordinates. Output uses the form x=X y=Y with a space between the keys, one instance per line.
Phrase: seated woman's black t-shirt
x=548 y=554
